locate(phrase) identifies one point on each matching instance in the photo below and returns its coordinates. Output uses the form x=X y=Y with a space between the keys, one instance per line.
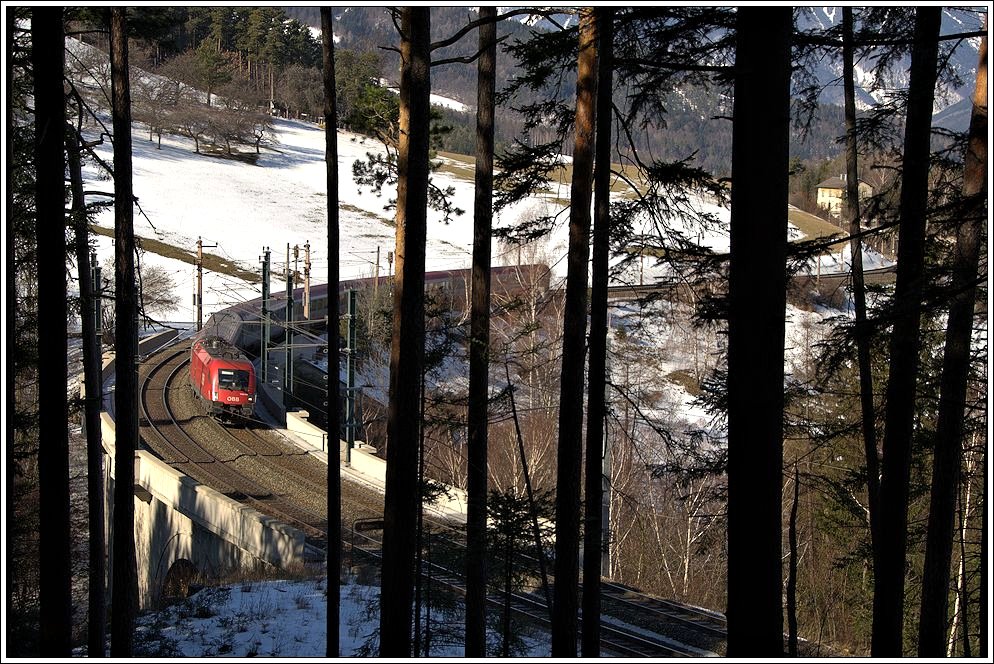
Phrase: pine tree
x=905 y=342
x=479 y=351
x=407 y=349
x=334 y=413
x=597 y=369
x=946 y=469
x=862 y=328
x=47 y=51
x=568 y=457
x=756 y=315
x=124 y=597
x=89 y=295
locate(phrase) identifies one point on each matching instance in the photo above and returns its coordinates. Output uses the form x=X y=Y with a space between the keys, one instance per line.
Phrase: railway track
x=698 y=619
x=620 y=635
x=276 y=478
x=209 y=453
x=826 y=282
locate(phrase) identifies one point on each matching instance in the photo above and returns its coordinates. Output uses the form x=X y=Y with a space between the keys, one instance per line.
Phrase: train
x=241 y=324
x=237 y=332
x=222 y=377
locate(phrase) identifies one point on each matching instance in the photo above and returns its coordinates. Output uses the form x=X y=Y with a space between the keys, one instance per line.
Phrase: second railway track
x=259 y=468
x=173 y=428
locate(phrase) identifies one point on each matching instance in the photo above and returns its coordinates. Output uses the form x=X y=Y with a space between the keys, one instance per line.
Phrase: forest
x=831 y=500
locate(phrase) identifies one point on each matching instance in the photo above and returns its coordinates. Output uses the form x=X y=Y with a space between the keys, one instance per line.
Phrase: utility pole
x=264 y=336
x=198 y=299
x=376 y=282
x=307 y=280
x=288 y=339
x=350 y=388
x=390 y=262
x=97 y=301
x=296 y=262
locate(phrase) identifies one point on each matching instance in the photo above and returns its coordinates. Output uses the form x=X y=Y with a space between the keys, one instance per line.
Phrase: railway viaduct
x=183 y=527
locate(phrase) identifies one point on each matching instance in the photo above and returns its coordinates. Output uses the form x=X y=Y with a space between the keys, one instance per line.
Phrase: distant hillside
x=962 y=63
x=690 y=127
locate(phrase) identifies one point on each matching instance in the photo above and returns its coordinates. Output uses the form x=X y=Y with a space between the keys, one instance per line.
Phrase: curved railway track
x=276 y=478
x=618 y=639
x=209 y=453
x=692 y=625
x=698 y=619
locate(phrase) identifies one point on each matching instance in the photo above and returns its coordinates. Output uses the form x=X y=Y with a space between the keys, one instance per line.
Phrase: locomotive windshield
x=233 y=379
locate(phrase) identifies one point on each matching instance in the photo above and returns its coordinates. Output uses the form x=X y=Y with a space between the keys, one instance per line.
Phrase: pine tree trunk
x=124 y=598
x=10 y=335
x=858 y=288
x=757 y=306
x=888 y=586
x=597 y=369
x=953 y=383
x=479 y=349
x=792 y=568
x=93 y=385
x=983 y=610
x=407 y=348
x=568 y=458
x=53 y=428
x=334 y=413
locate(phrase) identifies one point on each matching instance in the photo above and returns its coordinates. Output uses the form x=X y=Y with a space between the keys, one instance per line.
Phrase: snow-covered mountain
x=952 y=109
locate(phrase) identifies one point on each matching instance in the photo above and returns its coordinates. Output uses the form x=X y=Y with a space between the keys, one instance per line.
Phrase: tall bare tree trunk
x=334 y=412
x=983 y=610
x=479 y=349
x=593 y=542
x=792 y=568
x=953 y=383
x=93 y=385
x=757 y=307
x=859 y=288
x=55 y=598
x=124 y=599
x=407 y=349
x=888 y=579
x=10 y=290
x=961 y=609
x=568 y=458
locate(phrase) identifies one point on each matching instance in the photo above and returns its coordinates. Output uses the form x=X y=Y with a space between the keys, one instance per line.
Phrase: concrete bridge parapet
x=183 y=525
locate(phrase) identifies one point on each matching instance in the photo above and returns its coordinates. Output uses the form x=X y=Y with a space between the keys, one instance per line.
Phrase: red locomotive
x=223 y=377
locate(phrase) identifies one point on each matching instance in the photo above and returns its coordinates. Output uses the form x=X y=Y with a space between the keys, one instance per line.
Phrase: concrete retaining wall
x=177 y=518
x=364 y=461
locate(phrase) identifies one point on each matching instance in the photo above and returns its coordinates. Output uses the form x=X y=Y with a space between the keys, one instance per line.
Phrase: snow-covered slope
x=243 y=208
x=962 y=61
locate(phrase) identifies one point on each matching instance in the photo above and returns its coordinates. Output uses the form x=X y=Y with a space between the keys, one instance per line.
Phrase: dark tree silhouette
x=407 y=348
x=955 y=373
x=568 y=457
x=124 y=597
x=479 y=349
x=597 y=369
x=92 y=384
x=333 y=414
x=756 y=314
x=53 y=429
x=862 y=329
x=888 y=580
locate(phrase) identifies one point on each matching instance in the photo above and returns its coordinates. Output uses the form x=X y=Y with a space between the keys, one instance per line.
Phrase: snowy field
x=242 y=208
x=284 y=619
